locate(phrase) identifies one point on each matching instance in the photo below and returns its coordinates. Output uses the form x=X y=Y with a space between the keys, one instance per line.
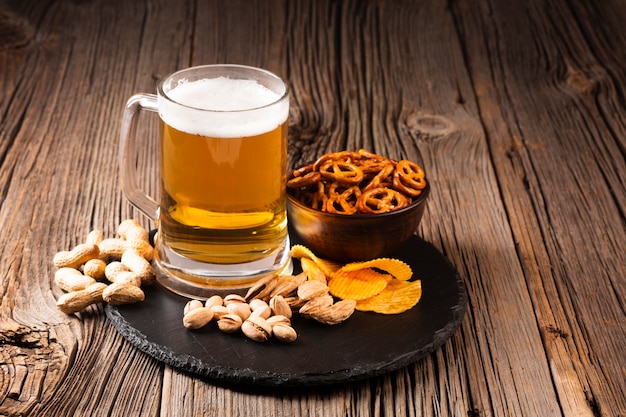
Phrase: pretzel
x=343 y=156
x=381 y=200
x=381 y=179
x=409 y=178
x=341 y=172
x=305 y=180
x=356 y=182
x=344 y=202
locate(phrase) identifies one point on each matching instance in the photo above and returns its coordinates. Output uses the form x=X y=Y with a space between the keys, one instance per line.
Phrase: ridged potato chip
x=357 y=285
x=399 y=269
x=397 y=297
x=314 y=272
x=301 y=251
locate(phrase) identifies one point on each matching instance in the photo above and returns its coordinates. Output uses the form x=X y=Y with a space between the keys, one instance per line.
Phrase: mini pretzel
x=344 y=203
x=305 y=180
x=381 y=177
x=409 y=178
x=319 y=198
x=342 y=172
x=371 y=163
x=381 y=200
x=343 y=156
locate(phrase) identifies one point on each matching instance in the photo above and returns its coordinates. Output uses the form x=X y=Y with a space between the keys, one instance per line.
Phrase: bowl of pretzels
x=354 y=206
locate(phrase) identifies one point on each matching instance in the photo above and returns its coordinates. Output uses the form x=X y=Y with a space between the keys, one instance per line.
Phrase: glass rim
x=161 y=92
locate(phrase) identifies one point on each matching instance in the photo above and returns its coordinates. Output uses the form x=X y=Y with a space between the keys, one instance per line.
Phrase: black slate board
x=365 y=345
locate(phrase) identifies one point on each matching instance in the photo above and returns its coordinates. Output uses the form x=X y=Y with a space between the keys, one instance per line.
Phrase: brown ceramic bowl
x=354 y=237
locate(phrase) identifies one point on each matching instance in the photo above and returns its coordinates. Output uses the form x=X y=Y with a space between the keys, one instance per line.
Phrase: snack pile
x=324 y=291
x=381 y=285
x=114 y=270
x=357 y=182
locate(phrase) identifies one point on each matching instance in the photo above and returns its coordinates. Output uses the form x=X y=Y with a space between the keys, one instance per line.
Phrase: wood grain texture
x=514 y=109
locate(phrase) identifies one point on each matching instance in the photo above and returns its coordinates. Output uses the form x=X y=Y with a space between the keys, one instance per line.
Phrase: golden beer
x=223 y=199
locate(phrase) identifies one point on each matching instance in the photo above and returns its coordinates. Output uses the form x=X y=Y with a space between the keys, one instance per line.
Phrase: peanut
x=128 y=277
x=94 y=237
x=114 y=248
x=143 y=247
x=130 y=230
x=95 y=269
x=113 y=269
x=75 y=301
x=74 y=258
x=122 y=293
x=132 y=260
x=70 y=279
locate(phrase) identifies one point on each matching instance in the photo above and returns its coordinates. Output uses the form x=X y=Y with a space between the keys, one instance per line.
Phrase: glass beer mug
x=221 y=216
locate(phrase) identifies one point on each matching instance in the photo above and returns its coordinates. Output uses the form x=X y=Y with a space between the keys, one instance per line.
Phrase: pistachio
x=257 y=329
x=197 y=318
x=288 y=284
x=280 y=306
x=335 y=313
x=229 y=323
x=257 y=303
x=312 y=289
x=192 y=305
x=219 y=311
x=233 y=298
x=262 y=288
x=263 y=311
x=215 y=300
x=295 y=302
x=241 y=309
x=316 y=304
x=278 y=319
x=284 y=333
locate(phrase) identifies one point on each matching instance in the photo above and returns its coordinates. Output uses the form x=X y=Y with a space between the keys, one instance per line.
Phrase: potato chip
x=397 y=297
x=357 y=285
x=314 y=272
x=399 y=269
x=301 y=251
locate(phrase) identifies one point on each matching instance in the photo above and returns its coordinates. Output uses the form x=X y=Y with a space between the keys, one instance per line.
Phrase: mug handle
x=128 y=151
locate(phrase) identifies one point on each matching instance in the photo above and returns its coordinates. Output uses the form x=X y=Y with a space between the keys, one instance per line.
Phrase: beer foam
x=237 y=108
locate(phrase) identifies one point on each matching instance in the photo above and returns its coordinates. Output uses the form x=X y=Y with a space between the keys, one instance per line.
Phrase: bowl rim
x=360 y=216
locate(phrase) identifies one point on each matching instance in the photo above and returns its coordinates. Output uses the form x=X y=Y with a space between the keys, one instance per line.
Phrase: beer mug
x=221 y=216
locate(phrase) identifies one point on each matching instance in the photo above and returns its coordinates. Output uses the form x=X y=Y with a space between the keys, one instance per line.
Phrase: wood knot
x=579 y=81
x=556 y=332
x=430 y=126
x=15 y=32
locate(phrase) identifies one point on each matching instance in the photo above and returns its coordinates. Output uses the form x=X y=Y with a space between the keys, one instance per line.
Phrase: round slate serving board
x=365 y=345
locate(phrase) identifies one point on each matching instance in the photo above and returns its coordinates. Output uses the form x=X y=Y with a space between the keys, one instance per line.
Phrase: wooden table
x=516 y=110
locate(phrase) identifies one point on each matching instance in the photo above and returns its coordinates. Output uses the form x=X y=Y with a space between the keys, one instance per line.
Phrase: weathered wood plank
x=533 y=103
